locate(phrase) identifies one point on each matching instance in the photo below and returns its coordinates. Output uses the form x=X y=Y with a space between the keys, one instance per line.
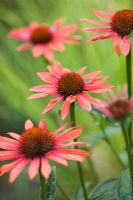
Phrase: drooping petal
x=82 y=102
x=9 y=155
x=58 y=159
x=68 y=29
x=116 y=41
x=33 y=168
x=18 y=169
x=102 y=15
x=28 y=124
x=95 y=22
x=38 y=95
x=48 y=53
x=52 y=104
x=79 y=143
x=37 y=50
x=8 y=145
x=100 y=37
x=66 y=106
x=45 y=167
x=96 y=102
x=97 y=30
x=24 y=47
x=8 y=167
x=126 y=43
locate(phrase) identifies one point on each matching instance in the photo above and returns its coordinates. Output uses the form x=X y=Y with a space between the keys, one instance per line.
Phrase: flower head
x=69 y=87
x=117 y=107
x=117 y=25
x=38 y=145
x=43 y=39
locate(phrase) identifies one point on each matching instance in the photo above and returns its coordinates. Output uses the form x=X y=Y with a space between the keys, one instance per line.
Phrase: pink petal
x=58 y=160
x=68 y=29
x=33 y=168
x=18 y=169
x=45 y=89
x=59 y=22
x=58 y=67
x=45 y=167
x=28 y=124
x=91 y=75
x=126 y=45
x=10 y=166
x=92 y=100
x=81 y=71
x=100 y=37
x=79 y=143
x=57 y=45
x=37 y=50
x=101 y=15
x=53 y=71
x=42 y=124
x=8 y=145
x=66 y=106
x=95 y=22
x=23 y=34
x=74 y=39
x=60 y=129
x=97 y=30
x=131 y=104
x=37 y=96
x=47 y=77
x=70 y=157
x=82 y=102
x=52 y=104
x=79 y=152
x=69 y=134
x=8 y=155
x=116 y=44
x=14 y=135
x=24 y=47
x=48 y=53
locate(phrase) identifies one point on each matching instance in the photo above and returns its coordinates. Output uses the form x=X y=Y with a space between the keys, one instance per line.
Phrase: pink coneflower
x=38 y=145
x=117 y=107
x=69 y=87
x=117 y=25
x=43 y=39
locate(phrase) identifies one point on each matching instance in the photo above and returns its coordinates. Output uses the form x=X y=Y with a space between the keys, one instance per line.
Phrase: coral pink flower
x=69 y=87
x=117 y=25
x=43 y=39
x=117 y=107
x=38 y=145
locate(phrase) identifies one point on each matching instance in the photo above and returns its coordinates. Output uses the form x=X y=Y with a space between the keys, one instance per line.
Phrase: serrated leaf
x=51 y=185
x=130 y=36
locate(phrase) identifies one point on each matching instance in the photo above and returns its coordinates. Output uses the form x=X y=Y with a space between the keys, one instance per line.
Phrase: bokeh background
x=18 y=74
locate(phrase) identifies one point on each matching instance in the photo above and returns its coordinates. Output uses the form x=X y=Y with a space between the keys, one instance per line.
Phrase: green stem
x=129 y=83
x=62 y=191
x=107 y=140
x=80 y=171
x=128 y=148
x=43 y=185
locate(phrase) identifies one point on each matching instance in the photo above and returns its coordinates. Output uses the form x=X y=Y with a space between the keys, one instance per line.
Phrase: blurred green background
x=18 y=74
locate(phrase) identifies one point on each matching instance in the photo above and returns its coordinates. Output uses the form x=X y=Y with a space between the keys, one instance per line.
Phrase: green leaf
x=79 y=191
x=113 y=189
x=51 y=185
x=131 y=35
x=104 y=190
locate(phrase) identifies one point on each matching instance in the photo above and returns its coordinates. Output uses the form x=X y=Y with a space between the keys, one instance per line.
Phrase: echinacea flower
x=118 y=106
x=38 y=145
x=44 y=39
x=117 y=25
x=69 y=87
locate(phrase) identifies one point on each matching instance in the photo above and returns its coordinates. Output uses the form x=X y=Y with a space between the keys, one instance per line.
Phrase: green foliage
x=51 y=185
x=113 y=189
x=131 y=35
